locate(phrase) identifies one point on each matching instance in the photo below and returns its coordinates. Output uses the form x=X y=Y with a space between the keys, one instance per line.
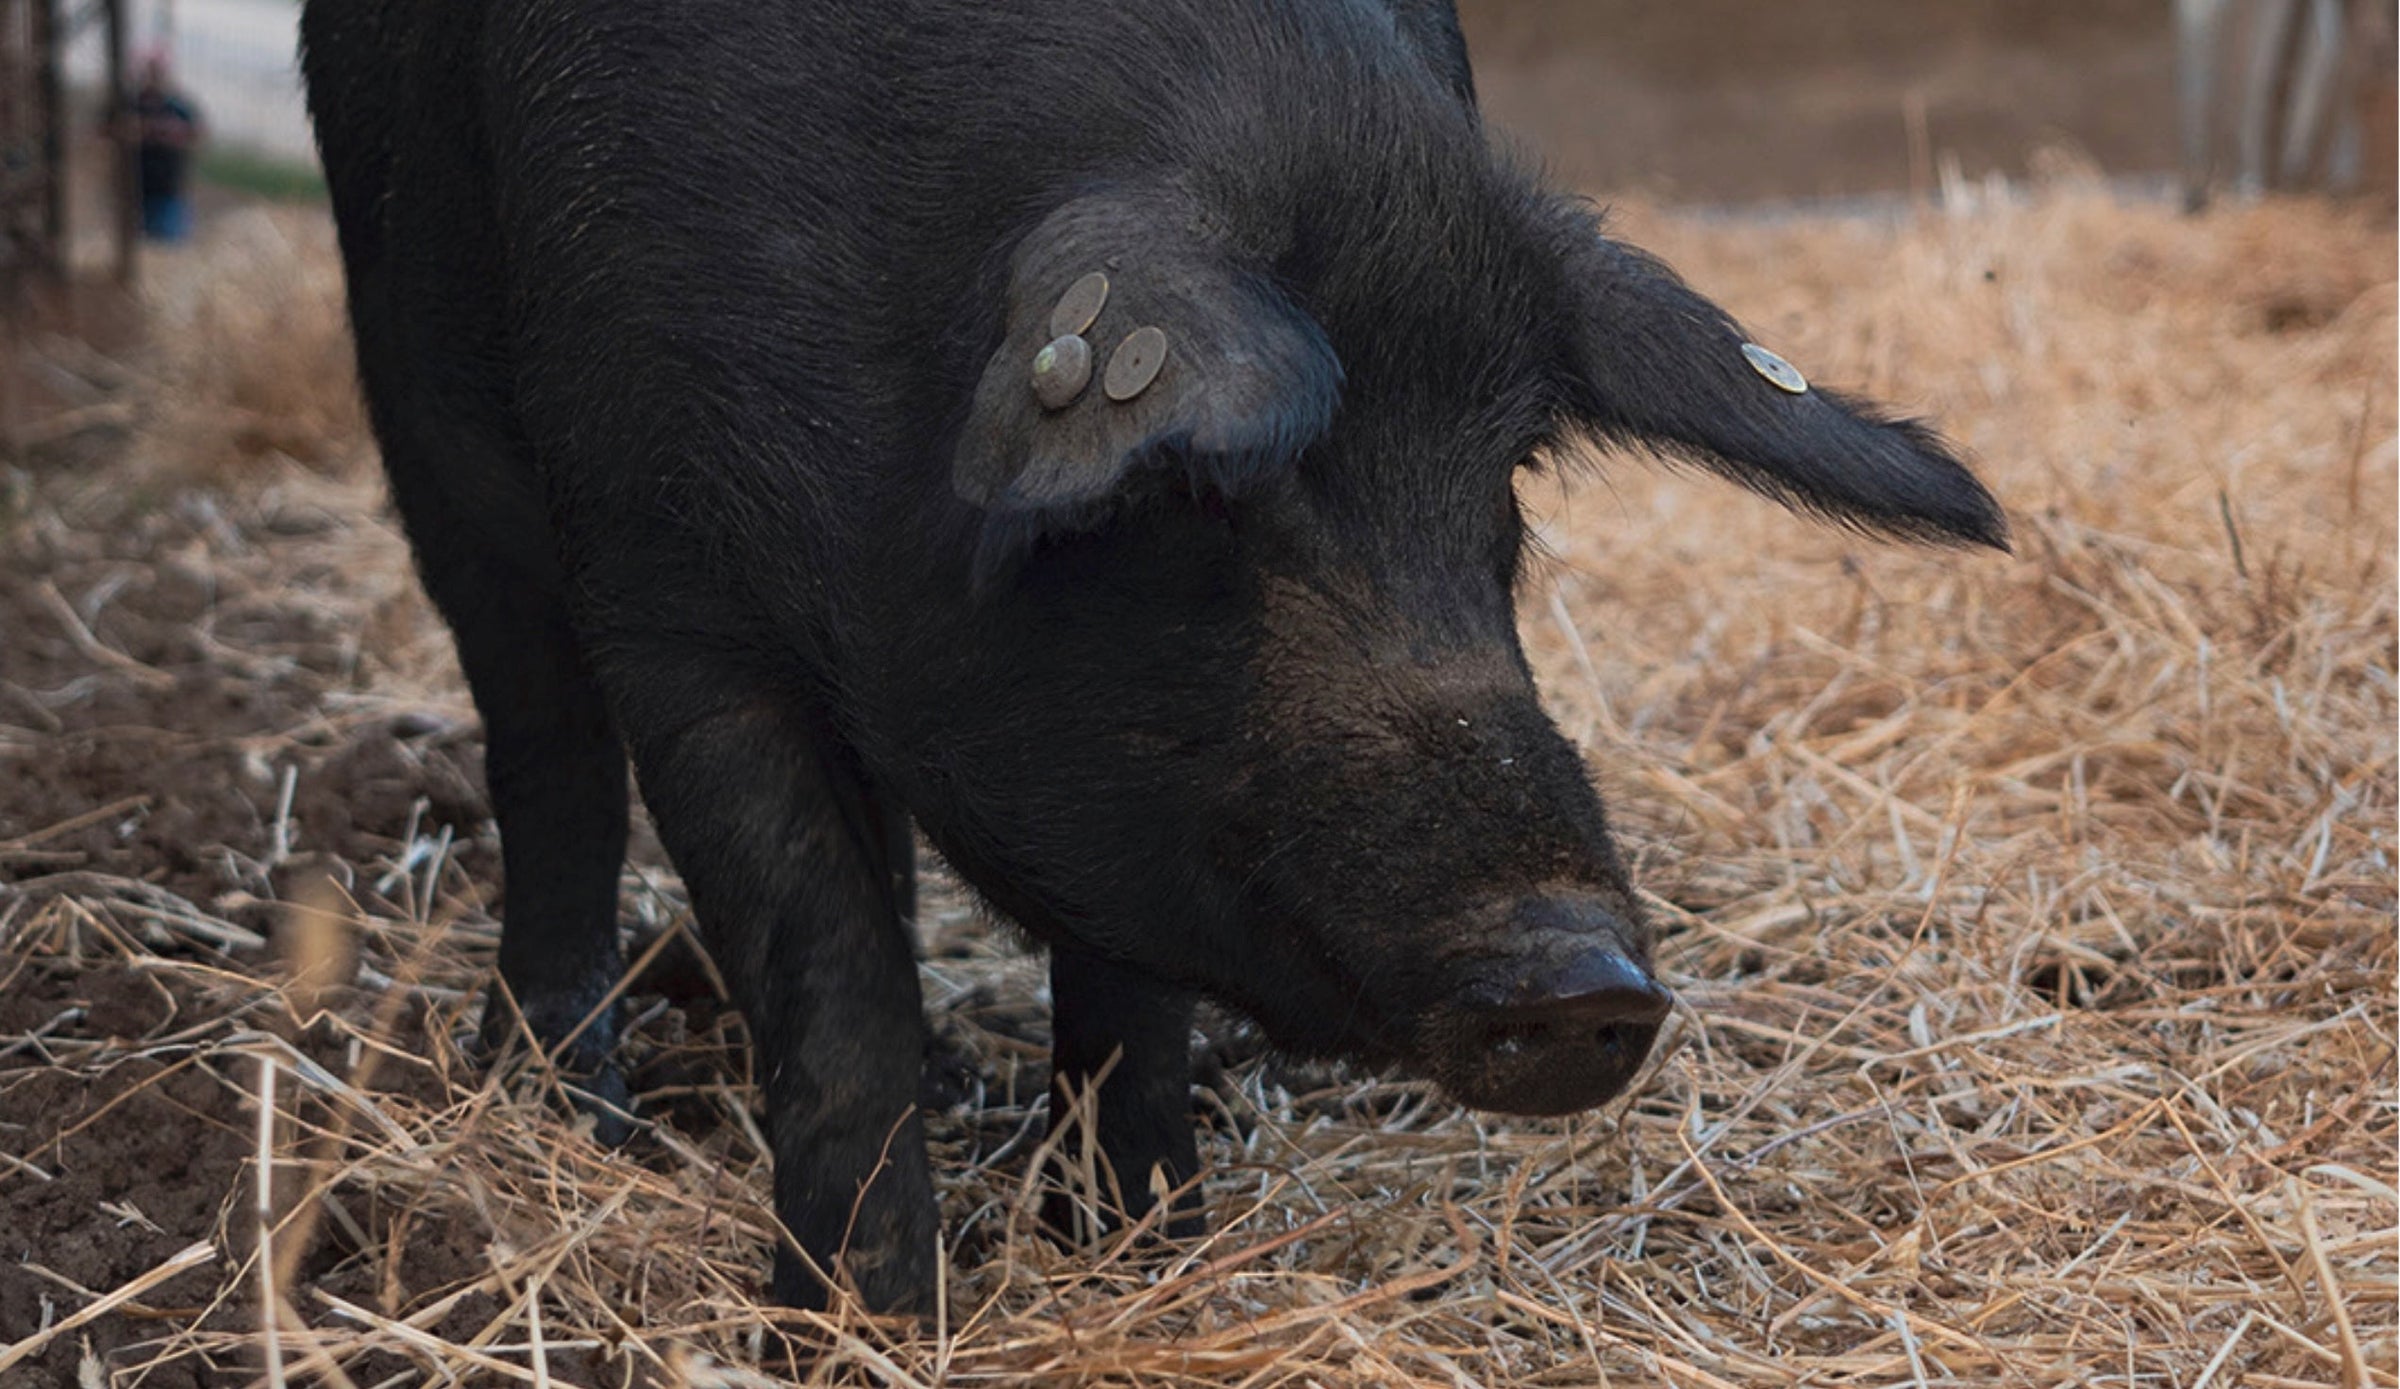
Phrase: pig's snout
x=1576 y=962
x=1596 y=984
x=1564 y=1024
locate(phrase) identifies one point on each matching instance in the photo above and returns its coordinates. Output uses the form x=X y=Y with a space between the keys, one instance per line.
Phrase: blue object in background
x=167 y=218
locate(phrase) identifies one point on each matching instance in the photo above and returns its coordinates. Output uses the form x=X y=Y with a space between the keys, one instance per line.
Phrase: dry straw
x=2034 y=916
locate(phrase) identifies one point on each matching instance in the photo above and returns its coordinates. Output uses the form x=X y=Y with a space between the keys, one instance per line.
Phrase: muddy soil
x=161 y=683
x=162 y=1141
x=155 y=699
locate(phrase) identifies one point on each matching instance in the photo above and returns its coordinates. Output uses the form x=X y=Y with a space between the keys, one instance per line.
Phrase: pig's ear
x=1135 y=340
x=1658 y=367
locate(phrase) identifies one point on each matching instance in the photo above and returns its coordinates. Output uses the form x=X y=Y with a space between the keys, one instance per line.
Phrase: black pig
x=1084 y=430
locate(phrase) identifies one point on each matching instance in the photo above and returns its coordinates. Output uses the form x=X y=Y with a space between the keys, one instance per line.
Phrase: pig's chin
x=1541 y=1069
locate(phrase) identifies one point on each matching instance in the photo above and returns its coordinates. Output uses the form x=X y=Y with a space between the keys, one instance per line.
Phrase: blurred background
x=1729 y=101
x=1707 y=101
x=1710 y=102
x=1830 y=108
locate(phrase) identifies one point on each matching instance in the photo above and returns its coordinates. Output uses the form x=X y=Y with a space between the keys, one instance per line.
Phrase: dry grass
x=258 y=362
x=2035 y=918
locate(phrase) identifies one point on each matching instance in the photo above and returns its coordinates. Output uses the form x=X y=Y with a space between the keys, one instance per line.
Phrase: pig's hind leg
x=552 y=759
x=433 y=358
x=556 y=772
x=1134 y=1034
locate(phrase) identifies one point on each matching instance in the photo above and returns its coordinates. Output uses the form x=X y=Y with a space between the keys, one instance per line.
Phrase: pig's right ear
x=1135 y=341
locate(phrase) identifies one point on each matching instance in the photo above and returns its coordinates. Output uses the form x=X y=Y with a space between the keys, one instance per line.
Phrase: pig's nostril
x=1596 y=986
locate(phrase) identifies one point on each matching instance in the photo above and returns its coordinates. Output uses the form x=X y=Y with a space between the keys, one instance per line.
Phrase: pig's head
x=1239 y=698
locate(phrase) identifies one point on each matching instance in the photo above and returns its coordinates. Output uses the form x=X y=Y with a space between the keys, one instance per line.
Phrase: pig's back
x=807 y=211
x=725 y=273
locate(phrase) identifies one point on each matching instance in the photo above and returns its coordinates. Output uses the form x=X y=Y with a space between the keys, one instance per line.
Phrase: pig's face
x=1284 y=748
x=1409 y=812
x=1241 y=701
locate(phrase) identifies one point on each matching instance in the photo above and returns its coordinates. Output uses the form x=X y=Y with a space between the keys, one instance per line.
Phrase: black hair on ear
x=1656 y=366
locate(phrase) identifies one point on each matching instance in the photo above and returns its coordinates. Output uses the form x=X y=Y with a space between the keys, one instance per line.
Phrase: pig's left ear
x=1656 y=366
x=1136 y=339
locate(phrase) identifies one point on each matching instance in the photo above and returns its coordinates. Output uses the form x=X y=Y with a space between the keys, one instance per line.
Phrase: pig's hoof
x=586 y=1073
x=608 y=1099
x=892 y=1287
x=1078 y=1222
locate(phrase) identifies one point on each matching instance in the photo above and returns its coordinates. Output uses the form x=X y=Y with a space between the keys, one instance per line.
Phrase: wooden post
x=127 y=150
x=49 y=87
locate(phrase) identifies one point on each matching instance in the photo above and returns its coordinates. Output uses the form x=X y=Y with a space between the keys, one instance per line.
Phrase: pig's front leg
x=789 y=856
x=1135 y=1034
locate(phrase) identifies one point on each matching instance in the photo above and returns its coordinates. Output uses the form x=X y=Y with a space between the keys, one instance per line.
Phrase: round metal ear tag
x=1061 y=370
x=1079 y=308
x=1779 y=373
x=1135 y=364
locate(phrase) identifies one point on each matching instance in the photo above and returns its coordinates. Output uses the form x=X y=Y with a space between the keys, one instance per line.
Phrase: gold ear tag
x=1135 y=364
x=1779 y=373
x=1079 y=308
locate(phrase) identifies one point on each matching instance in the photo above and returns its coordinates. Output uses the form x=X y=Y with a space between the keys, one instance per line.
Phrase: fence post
x=125 y=150
x=50 y=98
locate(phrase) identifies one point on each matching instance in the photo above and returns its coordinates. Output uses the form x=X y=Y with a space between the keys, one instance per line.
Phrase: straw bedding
x=2033 y=914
